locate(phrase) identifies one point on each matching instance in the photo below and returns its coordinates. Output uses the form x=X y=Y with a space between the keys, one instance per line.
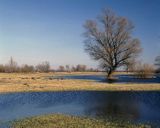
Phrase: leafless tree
x=43 y=67
x=157 y=63
x=67 y=68
x=73 y=69
x=130 y=65
x=2 y=68
x=27 y=68
x=81 y=68
x=61 y=68
x=111 y=41
x=12 y=66
x=144 y=70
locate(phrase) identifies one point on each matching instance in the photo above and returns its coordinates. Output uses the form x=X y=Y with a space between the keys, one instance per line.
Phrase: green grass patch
x=66 y=121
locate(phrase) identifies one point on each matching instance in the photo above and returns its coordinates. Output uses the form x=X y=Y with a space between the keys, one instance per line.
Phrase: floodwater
x=133 y=106
x=119 y=78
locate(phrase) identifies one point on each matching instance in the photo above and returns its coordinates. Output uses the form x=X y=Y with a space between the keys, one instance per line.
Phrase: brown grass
x=20 y=82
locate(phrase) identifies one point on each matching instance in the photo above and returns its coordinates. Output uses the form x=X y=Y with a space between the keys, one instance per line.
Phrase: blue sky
x=32 y=31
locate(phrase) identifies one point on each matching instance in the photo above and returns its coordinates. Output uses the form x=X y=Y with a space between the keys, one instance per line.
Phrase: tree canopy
x=110 y=41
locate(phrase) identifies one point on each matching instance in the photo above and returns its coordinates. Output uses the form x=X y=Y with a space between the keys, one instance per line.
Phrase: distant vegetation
x=13 y=67
x=77 y=68
x=139 y=69
x=43 y=67
x=157 y=64
x=144 y=70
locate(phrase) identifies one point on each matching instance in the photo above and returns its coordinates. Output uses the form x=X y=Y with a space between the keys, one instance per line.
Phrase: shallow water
x=119 y=78
x=134 y=106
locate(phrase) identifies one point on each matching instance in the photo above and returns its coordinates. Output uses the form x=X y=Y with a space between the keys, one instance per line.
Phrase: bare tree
x=144 y=70
x=157 y=63
x=81 y=68
x=111 y=42
x=61 y=68
x=43 y=67
x=2 y=68
x=27 y=68
x=130 y=65
x=12 y=66
x=67 y=68
x=73 y=69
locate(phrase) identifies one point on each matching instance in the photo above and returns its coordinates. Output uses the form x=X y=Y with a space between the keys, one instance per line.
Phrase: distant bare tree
x=73 y=69
x=91 y=69
x=27 y=68
x=2 y=68
x=144 y=70
x=130 y=65
x=61 y=68
x=81 y=68
x=12 y=66
x=43 y=67
x=111 y=42
x=67 y=68
x=157 y=63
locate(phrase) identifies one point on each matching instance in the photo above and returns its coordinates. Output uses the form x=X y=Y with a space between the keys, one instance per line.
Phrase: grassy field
x=65 y=121
x=27 y=82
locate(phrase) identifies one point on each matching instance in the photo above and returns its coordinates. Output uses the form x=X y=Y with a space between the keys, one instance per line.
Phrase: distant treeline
x=12 y=66
x=77 y=68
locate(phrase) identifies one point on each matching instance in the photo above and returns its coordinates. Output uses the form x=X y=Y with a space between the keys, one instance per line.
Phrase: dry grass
x=66 y=121
x=19 y=82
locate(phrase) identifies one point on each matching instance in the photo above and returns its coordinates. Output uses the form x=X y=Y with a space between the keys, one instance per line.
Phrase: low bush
x=144 y=71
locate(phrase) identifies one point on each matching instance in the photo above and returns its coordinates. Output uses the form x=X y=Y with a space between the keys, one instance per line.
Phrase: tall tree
x=111 y=41
x=12 y=66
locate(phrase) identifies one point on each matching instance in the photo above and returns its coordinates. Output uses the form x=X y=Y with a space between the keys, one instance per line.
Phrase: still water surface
x=122 y=78
x=135 y=106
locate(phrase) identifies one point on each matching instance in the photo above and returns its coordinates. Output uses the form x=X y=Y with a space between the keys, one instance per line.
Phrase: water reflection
x=134 y=106
x=117 y=105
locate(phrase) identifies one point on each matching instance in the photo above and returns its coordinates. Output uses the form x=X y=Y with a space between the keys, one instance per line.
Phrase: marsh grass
x=66 y=121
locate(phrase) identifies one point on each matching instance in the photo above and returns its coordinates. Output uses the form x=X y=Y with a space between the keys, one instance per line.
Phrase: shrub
x=144 y=70
x=27 y=68
x=2 y=68
x=43 y=67
x=61 y=68
x=81 y=68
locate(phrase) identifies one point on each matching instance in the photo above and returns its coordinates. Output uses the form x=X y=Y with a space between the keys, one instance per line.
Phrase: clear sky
x=32 y=31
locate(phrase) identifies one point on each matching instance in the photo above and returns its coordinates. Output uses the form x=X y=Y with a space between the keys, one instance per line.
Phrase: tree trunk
x=110 y=72
x=109 y=75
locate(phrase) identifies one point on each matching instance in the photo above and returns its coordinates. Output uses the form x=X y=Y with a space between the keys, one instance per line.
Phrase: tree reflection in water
x=117 y=105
